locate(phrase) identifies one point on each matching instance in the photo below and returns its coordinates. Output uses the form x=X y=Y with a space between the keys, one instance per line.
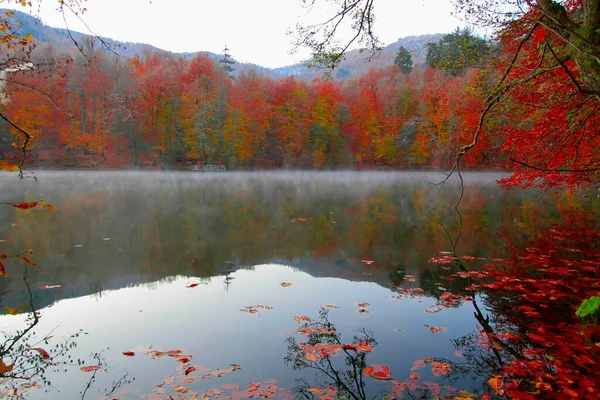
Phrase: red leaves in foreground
x=380 y=372
x=129 y=353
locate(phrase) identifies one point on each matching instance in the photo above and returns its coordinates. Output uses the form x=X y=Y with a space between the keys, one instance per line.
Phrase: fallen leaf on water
x=181 y=389
x=184 y=359
x=368 y=262
x=8 y=167
x=435 y=329
x=26 y=206
x=11 y=311
x=229 y=386
x=285 y=284
x=380 y=372
x=433 y=309
x=414 y=377
x=189 y=370
x=29 y=385
x=167 y=381
x=301 y=318
x=48 y=206
x=174 y=353
x=330 y=306
x=49 y=286
x=42 y=352
x=90 y=368
x=316 y=390
x=192 y=285
x=311 y=357
x=129 y=353
x=363 y=305
x=28 y=261
x=495 y=383
x=5 y=368
x=2 y=270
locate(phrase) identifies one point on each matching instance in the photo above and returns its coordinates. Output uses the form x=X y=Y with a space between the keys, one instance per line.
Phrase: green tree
x=403 y=60
x=227 y=62
x=457 y=51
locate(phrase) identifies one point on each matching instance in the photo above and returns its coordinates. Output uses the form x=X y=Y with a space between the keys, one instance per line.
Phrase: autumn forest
x=375 y=253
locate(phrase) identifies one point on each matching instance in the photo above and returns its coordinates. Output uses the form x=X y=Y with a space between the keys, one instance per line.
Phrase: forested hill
x=353 y=66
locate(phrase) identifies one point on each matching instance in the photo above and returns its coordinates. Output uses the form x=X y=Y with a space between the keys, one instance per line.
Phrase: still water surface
x=166 y=261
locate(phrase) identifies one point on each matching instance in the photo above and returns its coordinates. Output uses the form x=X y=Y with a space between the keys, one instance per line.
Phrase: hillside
x=355 y=63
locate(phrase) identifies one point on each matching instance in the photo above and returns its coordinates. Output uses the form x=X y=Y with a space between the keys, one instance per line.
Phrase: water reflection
x=119 y=229
x=171 y=260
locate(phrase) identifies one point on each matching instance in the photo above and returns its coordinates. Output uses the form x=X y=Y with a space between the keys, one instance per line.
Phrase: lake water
x=218 y=265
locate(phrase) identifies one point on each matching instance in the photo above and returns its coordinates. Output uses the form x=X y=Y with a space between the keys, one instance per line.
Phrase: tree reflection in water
x=26 y=359
x=347 y=377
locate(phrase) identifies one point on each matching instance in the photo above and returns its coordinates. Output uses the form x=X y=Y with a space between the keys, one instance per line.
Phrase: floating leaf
x=189 y=370
x=174 y=353
x=2 y=270
x=181 y=389
x=285 y=284
x=28 y=261
x=48 y=206
x=90 y=368
x=184 y=359
x=192 y=285
x=495 y=383
x=11 y=311
x=5 y=368
x=302 y=318
x=129 y=353
x=368 y=262
x=380 y=372
x=330 y=306
x=8 y=167
x=42 y=352
x=45 y=287
x=435 y=329
x=26 y=206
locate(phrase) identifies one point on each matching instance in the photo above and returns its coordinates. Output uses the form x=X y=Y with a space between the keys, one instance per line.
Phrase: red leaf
x=128 y=353
x=2 y=270
x=189 y=370
x=26 y=206
x=90 y=368
x=192 y=285
x=380 y=372
x=28 y=261
x=42 y=352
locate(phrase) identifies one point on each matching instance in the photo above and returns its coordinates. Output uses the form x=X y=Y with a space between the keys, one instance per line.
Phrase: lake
x=239 y=285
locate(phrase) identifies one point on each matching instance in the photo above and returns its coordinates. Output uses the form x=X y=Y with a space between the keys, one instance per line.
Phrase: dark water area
x=218 y=265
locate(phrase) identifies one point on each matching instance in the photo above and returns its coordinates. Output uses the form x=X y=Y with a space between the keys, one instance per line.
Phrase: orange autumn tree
x=248 y=119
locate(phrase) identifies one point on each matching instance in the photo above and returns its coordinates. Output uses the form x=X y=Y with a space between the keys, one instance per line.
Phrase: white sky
x=253 y=30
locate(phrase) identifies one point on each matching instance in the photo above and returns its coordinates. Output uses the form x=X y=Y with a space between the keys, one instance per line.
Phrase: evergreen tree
x=456 y=51
x=403 y=60
x=226 y=62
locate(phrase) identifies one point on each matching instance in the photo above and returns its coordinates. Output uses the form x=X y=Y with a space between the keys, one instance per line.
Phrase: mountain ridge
x=353 y=65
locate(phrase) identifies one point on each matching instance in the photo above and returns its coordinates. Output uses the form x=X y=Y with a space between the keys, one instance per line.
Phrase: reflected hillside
x=116 y=229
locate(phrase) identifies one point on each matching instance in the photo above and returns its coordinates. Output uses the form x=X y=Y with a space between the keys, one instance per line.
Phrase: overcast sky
x=253 y=30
